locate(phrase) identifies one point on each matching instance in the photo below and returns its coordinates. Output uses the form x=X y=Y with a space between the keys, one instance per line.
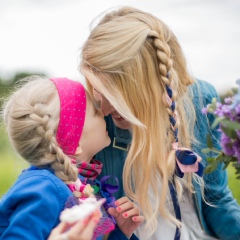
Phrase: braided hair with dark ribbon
x=186 y=160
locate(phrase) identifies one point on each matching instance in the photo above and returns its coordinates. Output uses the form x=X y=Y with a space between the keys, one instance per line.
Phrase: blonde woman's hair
x=127 y=57
x=31 y=117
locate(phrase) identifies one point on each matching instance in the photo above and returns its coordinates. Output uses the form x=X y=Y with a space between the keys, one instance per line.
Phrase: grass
x=9 y=171
x=11 y=166
x=233 y=183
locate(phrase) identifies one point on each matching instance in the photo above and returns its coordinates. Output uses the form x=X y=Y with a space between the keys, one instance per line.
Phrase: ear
x=79 y=150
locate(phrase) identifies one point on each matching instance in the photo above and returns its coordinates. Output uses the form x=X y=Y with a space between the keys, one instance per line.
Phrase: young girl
x=54 y=126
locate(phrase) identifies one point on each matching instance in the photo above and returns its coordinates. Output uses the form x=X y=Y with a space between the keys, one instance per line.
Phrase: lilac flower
x=238 y=133
x=226 y=111
x=236 y=148
x=237 y=109
x=204 y=110
x=218 y=110
x=228 y=100
x=226 y=144
x=228 y=115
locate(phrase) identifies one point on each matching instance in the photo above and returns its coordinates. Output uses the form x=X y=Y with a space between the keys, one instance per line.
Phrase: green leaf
x=214 y=100
x=231 y=125
x=217 y=121
x=237 y=171
x=229 y=132
x=209 y=141
x=227 y=159
x=214 y=165
x=210 y=160
x=225 y=165
x=236 y=165
x=207 y=170
x=234 y=90
x=206 y=150
x=220 y=157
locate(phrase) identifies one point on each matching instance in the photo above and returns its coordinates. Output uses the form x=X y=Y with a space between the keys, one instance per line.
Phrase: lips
x=117 y=117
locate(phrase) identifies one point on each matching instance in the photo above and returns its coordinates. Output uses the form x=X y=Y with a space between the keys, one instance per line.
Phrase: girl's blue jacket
x=31 y=208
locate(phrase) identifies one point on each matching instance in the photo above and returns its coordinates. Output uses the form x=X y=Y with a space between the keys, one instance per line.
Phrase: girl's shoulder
x=39 y=184
x=37 y=196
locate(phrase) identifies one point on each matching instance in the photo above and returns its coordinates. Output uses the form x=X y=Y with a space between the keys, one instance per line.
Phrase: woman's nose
x=106 y=107
x=103 y=103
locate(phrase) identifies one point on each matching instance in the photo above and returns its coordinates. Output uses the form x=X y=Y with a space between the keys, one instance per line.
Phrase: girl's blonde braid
x=59 y=162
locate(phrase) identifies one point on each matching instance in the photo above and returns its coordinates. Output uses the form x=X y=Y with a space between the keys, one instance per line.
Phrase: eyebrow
x=97 y=91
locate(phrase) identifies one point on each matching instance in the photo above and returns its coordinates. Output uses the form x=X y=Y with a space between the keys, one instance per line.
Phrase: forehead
x=101 y=85
x=92 y=85
x=92 y=80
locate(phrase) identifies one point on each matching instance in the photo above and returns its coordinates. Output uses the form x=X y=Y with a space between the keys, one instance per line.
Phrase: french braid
x=167 y=72
x=31 y=117
x=169 y=99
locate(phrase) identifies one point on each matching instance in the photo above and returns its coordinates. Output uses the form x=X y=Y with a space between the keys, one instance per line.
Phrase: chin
x=108 y=142
x=123 y=124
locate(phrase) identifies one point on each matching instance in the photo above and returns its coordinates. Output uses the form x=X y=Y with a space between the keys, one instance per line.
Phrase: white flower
x=82 y=211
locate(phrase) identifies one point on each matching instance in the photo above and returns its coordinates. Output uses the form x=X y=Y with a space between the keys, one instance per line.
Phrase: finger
x=125 y=206
x=61 y=228
x=138 y=219
x=131 y=213
x=89 y=228
x=121 y=201
x=113 y=212
x=81 y=224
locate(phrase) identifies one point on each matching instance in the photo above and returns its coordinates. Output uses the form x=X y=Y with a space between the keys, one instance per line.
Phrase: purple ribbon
x=107 y=191
x=188 y=161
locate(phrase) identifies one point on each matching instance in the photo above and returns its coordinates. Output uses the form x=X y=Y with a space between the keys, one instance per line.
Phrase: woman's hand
x=127 y=216
x=80 y=230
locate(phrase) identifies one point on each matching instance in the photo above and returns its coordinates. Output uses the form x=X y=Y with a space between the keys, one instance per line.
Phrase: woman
x=135 y=68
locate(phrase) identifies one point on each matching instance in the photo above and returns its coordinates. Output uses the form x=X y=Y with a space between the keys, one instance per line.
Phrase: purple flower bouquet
x=227 y=116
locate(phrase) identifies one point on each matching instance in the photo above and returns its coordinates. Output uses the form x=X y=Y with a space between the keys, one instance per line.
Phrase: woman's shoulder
x=203 y=88
x=203 y=92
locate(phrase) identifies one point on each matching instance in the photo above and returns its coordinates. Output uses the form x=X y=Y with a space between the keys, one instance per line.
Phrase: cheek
x=106 y=105
x=97 y=96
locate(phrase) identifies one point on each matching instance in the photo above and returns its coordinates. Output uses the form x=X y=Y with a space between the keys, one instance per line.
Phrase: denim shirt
x=222 y=220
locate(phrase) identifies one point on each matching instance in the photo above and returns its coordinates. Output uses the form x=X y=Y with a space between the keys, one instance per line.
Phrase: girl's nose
x=100 y=112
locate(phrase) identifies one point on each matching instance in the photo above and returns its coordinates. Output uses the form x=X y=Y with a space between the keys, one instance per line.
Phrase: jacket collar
x=122 y=139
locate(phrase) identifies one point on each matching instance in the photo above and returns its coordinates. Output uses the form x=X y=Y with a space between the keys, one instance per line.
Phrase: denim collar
x=122 y=139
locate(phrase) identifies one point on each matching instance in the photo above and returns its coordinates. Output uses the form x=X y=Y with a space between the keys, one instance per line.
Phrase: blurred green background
x=11 y=165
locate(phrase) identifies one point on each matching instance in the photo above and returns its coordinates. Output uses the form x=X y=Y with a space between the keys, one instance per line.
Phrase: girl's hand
x=80 y=230
x=127 y=216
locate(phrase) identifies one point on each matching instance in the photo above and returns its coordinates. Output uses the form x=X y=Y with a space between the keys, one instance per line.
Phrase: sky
x=47 y=35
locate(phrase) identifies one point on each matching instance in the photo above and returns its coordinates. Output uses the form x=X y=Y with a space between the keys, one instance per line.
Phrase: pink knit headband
x=72 y=97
